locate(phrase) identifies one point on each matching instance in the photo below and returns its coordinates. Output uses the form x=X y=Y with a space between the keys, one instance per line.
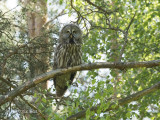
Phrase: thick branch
x=121 y=102
x=41 y=78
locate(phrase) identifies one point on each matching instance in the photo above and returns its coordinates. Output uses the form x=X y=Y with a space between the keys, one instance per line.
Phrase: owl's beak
x=71 y=39
x=71 y=35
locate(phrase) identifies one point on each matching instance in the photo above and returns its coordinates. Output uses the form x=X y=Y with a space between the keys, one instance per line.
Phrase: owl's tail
x=62 y=82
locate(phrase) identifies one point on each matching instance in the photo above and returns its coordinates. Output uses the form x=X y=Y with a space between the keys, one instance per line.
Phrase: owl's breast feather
x=69 y=55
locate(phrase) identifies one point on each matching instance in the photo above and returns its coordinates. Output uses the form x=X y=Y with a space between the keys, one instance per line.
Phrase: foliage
x=114 y=31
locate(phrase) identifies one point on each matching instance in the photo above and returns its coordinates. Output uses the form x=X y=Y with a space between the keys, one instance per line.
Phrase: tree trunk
x=36 y=19
x=38 y=43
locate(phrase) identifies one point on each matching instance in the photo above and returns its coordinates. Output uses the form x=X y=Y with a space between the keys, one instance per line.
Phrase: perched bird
x=68 y=53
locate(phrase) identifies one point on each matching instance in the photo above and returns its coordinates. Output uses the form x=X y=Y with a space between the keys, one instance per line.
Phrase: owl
x=68 y=53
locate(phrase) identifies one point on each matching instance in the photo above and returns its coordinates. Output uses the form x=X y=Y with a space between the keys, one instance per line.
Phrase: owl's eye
x=74 y=31
x=68 y=31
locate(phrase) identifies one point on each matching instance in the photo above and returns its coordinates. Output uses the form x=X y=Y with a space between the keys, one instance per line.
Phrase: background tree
x=114 y=31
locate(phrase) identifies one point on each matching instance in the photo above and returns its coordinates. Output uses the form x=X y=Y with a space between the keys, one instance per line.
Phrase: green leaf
x=93 y=81
x=44 y=100
x=87 y=114
x=60 y=2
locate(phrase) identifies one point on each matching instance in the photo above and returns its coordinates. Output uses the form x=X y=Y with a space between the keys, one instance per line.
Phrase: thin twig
x=10 y=10
x=125 y=38
x=60 y=14
x=100 y=8
x=79 y=16
x=130 y=22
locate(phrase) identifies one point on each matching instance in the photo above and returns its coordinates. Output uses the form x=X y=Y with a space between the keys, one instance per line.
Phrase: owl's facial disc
x=71 y=34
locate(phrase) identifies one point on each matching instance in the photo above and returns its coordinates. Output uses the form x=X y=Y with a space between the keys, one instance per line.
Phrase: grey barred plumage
x=68 y=54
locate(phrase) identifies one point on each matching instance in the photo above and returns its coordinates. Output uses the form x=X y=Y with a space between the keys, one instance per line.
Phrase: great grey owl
x=67 y=54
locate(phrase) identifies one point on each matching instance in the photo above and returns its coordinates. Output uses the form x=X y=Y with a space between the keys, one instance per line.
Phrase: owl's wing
x=62 y=82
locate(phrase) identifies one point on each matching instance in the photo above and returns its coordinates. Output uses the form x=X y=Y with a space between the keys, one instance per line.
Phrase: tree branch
x=43 y=77
x=51 y=20
x=121 y=102
x=29 y=104
x=126 y=38
x=130 y=22
x=100 y=8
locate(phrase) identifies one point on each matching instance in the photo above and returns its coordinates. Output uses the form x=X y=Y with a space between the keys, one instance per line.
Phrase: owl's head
x=70 y=34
